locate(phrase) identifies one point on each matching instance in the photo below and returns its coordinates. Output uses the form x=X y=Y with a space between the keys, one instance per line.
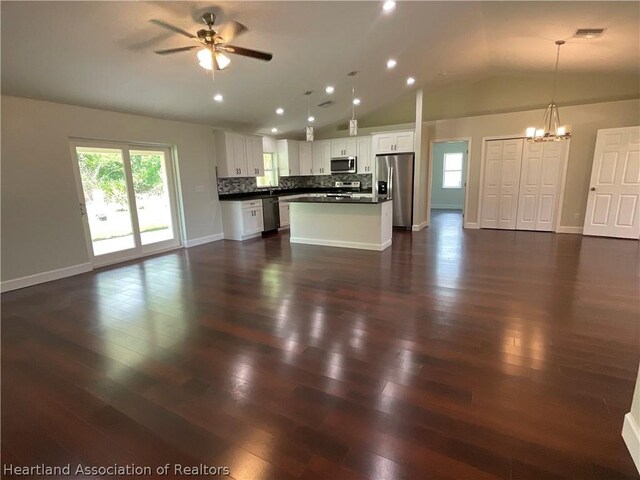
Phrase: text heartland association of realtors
x=132 y=470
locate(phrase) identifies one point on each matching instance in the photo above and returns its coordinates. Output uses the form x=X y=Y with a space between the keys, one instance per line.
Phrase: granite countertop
x=349 y=200
x=278 y=193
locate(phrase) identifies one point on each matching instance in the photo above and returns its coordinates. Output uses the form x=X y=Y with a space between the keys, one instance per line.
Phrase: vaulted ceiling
x=100 y=54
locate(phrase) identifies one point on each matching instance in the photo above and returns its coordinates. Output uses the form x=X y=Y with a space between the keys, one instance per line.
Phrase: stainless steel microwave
x=343 y=165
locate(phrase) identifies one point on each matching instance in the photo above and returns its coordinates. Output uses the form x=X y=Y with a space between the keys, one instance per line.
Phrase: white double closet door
x=522 y=184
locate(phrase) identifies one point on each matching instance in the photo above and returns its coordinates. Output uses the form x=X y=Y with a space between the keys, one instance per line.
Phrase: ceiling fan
x=213 y=43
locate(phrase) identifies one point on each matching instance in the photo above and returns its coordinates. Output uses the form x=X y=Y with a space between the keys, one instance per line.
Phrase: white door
x=240 y=154
x=383 y=143
x=540 y=181
x=404 y=142
x=255 y=158
x=503 y=159
x=305 y=157
x=613 y=208
x=364 y=155
x=321 y=157
x=127 y=200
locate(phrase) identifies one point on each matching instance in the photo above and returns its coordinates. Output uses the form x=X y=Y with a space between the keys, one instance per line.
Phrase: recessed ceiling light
x=391 y=63
x=329 y=89
x=311 y=119
x=218 y=98
x=356 y=101
x=411 y=81
x=274 y=130
x=280 y=111
x=388 y=6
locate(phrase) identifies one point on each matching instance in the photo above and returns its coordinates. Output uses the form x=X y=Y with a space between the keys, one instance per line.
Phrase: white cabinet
x=393 y=142
x=231 y=154
x=343 y=147
x=365 y=158
x=288 y=158
x=255 y=158
x=322 y=157
x=305 y=157
x=242 y=220
x=284 y=214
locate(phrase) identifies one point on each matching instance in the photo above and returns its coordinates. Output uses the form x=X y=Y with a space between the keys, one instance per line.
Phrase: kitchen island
x=364 y=223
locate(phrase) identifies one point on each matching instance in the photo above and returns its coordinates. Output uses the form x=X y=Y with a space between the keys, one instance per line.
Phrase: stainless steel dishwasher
x=270 y=213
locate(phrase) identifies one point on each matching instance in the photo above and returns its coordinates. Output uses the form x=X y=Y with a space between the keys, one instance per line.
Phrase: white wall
x=586 y=120
x=41 y=223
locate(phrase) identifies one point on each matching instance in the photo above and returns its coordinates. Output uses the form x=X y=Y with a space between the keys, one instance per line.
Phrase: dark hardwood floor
x=454 y=354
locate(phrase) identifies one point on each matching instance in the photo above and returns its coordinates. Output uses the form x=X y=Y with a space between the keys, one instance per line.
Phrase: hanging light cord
x=555 y=75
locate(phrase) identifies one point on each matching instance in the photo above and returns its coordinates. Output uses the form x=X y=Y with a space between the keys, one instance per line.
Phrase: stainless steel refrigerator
x=394 y=178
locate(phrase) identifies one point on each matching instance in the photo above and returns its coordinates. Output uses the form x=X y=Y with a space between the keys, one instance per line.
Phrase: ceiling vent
x=589 y=32
x=326 y=104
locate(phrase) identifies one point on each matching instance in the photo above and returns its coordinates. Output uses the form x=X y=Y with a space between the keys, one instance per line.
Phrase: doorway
x=448 y=179
x=127 y=200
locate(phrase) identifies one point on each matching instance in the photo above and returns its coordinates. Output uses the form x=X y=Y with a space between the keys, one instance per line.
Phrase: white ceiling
x=100 y=54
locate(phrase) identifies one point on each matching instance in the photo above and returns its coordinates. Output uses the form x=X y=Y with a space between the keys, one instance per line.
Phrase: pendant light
x=353 y=123
x=310 y=118
x=551 y=129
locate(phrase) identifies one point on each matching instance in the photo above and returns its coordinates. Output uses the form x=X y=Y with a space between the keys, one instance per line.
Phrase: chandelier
x=551 y=130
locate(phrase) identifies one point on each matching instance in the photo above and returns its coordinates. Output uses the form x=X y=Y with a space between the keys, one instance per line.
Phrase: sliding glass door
x=127 y=200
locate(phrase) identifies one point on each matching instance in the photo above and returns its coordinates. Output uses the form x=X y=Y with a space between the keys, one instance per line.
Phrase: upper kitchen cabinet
x=231 y=154
x=305 y=157
x=255 y=155
x=288 y=158
x=393 y=142
x=365 y=157
x=343 y=147
x=322 y=157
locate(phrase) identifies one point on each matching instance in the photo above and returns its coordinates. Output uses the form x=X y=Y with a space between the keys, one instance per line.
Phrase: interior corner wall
x=585 y=121
x=41 y=223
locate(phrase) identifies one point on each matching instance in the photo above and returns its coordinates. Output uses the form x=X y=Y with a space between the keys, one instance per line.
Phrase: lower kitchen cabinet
x=242 y=220
x=284 y=214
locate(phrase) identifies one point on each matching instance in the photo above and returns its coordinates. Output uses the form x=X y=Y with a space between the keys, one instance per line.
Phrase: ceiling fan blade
x=231 y=29
x=247 y=52
x=175 y=50
x=173 y=28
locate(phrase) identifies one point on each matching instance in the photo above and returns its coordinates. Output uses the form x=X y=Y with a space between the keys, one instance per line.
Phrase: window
x=270 y=177
x=452 y=171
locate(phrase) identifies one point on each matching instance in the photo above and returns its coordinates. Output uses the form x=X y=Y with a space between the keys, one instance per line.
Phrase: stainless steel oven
x=343 y=165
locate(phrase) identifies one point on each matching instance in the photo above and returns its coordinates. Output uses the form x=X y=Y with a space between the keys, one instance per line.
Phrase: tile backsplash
x=248 y=184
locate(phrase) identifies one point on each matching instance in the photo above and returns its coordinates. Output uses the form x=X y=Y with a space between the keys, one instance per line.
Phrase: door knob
x=593 y=189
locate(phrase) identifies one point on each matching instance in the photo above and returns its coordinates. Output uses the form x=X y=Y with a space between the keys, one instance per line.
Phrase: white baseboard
x=564 y=229
x=420 y=226
x=37 y=278
x=339 y=243
x=202 y=240
x=472 y=225
x=631 y=436
x=446 y=207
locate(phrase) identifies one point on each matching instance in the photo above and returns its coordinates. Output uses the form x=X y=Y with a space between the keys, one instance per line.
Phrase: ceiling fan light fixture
x=311 y=119
x=218 y=98
x=223 y=60
x=205 y=59
x=280 y=111
x=330 y=89
x=356 y=101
